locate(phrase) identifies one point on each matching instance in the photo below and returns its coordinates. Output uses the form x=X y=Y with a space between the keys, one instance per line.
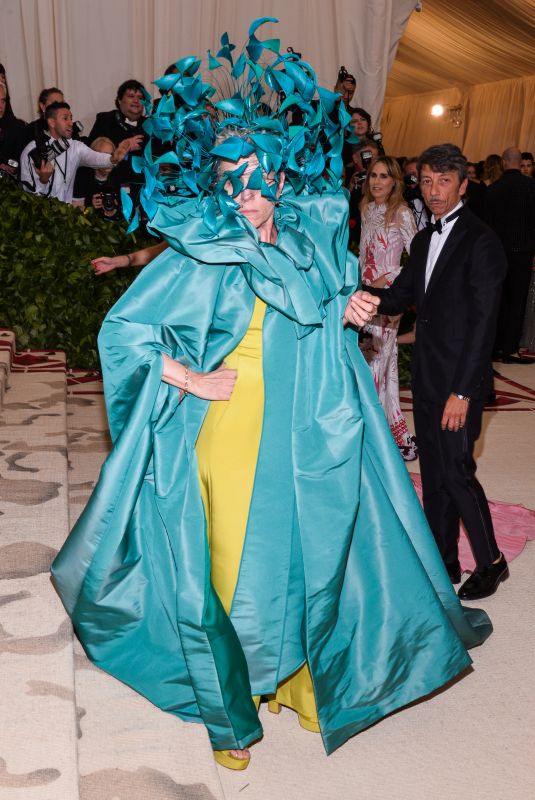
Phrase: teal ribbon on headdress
x=295 y=126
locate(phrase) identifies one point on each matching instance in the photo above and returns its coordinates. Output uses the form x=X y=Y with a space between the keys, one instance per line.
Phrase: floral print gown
x=380 y=256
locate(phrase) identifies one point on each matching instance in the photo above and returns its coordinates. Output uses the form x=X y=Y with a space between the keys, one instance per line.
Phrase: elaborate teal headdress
x=270 y=106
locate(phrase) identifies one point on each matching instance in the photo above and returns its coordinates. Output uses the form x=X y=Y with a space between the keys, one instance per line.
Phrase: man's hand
x=124 y=147
x=455 y=411
x=45 y=171
x=361 y=308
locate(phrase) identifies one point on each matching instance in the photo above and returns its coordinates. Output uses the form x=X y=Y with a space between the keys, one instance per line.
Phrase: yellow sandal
x=225 y=759
x=307 y=724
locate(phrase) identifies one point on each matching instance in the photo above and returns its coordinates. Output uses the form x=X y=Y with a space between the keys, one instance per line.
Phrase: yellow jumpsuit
x=227 y=452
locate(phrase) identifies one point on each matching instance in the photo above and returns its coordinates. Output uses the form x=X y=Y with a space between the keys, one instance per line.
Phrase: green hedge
x=49 y=294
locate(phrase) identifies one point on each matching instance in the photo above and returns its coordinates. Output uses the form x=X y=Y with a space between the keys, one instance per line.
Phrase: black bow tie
x=436 y=227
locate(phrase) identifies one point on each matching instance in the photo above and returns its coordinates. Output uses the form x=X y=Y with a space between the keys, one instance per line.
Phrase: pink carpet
x=513 y=527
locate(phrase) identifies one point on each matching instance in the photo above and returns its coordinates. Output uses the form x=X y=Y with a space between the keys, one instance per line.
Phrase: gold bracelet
x=186 y=380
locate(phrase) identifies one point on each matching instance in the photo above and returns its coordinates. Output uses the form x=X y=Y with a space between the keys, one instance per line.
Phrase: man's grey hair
x=444 y=158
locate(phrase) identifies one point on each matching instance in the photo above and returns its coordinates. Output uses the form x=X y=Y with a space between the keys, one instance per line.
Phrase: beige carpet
x=474 y=740
x=37 y=707
x=127 y=748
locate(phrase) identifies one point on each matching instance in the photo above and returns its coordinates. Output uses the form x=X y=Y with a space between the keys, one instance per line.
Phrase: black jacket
x=510 y=211
x=11 y=137
x=456 y=316
x=112 y=124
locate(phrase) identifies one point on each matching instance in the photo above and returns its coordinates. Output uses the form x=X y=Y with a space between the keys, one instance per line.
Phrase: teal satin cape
x=339 y=567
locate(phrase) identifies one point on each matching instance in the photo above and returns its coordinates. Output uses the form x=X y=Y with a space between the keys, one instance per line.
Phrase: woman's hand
x=216 y=385
x=105 y=264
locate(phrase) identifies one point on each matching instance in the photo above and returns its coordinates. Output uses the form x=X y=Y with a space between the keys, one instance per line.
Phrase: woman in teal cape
x=339 y=568
x=339 y=571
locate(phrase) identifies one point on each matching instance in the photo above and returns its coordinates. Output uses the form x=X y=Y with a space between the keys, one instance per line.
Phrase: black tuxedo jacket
x=456 y=316
x=510 y=211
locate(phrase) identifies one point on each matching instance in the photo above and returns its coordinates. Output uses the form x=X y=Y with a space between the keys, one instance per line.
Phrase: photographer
x=37 y=127
x=413 y=195
x=48 y=166
x=345 y=85
x=124 y=121
x=362 y=155
x=100 y=189
x=10 y=134
x=361 y=128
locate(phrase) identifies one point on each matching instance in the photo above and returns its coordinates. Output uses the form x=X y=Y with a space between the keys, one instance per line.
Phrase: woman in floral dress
x=387 y=229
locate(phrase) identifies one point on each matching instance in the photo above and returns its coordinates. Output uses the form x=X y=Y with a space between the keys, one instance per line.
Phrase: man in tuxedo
x=510 y=211
x=126 y=120
x=454 y=276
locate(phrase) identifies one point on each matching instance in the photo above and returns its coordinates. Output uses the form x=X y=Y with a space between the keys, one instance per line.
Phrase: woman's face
x=360 y=125
x=381 y=184
x=257 y=209
x=53 y=97
x=3 y=100
x=471 y=172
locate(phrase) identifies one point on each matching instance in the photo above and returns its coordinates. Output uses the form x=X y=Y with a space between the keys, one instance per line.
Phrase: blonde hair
x=395 y=200
x=492 y=168
x=101 y=140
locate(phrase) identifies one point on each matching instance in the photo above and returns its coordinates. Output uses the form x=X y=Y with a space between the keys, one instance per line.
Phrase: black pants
x=513 y=303
x=451 y=491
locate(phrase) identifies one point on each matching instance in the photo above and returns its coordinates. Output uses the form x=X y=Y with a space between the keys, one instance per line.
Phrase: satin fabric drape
x=339 y=567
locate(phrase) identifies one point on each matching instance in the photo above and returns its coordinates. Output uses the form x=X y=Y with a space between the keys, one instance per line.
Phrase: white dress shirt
x=61 y=182
x=438 y=240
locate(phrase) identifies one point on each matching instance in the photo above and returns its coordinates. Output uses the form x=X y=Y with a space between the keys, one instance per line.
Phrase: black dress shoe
x=454 y=571
x=517 y=360
x=484 y=582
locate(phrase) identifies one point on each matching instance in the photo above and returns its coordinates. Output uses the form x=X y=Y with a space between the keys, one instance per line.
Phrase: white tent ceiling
x=462 y=43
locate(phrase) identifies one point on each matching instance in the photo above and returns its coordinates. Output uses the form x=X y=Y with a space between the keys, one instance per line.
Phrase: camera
x=294 y=52
x=412 y=189
x=344 y=75
x=4 y=173
x=110 y=200
x=47 y=149
x=366 y=156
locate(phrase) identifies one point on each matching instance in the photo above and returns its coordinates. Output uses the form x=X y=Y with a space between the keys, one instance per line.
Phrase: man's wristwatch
x=461 y=396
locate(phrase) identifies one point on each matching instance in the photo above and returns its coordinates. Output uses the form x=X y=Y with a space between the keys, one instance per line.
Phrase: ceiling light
x=437 y=110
